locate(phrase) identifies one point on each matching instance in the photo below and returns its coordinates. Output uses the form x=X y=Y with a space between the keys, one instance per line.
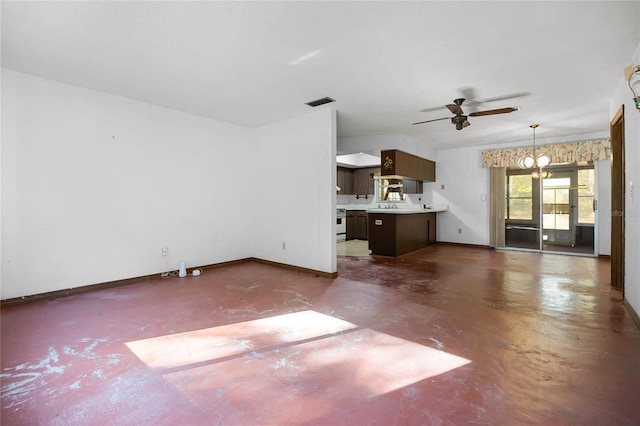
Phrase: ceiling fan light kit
x=634 y=75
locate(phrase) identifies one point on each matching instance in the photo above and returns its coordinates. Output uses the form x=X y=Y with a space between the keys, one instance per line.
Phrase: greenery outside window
x=586 y=196
x=519 y=197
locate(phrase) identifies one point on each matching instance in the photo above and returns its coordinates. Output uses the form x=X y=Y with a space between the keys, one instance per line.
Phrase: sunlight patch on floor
x=291 y=351
x=226 y=341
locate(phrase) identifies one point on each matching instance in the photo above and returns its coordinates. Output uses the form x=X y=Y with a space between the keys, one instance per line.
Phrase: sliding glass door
x=553 y=214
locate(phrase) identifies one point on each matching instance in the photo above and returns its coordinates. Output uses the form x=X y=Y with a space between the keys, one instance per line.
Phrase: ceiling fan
x=460 y=119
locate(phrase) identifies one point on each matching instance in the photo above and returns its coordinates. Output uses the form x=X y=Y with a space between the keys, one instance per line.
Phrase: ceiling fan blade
x=432 y=109
x=470 y=94
x=494 y=111
x=429 y=121
x=504 y=97
x=455 y=109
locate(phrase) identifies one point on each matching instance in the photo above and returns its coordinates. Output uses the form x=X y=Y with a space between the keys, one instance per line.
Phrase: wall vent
x=322 y=101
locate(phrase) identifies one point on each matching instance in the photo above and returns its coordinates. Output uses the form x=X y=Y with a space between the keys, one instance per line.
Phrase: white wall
x=465 y=182
x=296 y=166
x=93 y=185
x=623 y=96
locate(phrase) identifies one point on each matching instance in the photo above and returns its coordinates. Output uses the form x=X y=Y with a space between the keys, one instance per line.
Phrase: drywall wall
x=461 y=184
x=93 y=185
x=295 y=194
x=623 y=96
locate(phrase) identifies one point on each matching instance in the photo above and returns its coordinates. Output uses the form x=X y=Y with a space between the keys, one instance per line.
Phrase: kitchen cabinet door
x=344 y=180
x=351 y=224
x=361 y=226
x=363 y=180
x=357 y=226
x=408 y=165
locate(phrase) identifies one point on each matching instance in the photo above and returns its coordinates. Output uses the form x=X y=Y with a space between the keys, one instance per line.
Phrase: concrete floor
x=447 y=335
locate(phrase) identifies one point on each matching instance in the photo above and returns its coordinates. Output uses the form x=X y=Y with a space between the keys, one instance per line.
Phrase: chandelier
x=538 y=162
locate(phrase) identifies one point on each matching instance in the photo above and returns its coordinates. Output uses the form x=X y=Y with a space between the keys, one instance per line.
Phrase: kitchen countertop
x=401 y=209
x=415 y=210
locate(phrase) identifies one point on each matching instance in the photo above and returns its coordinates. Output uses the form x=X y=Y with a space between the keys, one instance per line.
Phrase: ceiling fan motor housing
x=459 y=120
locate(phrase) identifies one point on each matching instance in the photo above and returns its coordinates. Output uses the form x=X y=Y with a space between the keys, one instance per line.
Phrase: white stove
x=341 y=224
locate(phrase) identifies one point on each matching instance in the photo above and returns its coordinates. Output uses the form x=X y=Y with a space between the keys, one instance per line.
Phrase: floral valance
x=575 y=152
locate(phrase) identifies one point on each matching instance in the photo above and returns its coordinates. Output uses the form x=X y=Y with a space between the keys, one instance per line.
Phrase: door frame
x=617 y=200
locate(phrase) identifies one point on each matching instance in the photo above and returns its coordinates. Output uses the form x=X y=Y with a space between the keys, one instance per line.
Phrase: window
x=389 y=190
x=519 y=197
x=586 y=196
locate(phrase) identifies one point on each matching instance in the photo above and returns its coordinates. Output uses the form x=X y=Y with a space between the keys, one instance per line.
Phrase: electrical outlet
x=284 y=246
x=164 y=250
x=459 y=230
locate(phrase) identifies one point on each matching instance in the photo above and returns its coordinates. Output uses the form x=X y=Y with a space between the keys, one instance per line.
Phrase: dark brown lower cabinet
x=431 y=217
x=397 y=234
x=357 y=226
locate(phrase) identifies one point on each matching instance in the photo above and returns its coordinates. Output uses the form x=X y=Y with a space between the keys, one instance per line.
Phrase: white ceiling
x=254 y=63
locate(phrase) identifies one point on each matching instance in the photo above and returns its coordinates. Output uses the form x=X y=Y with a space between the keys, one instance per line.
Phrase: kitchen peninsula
x=398 y=231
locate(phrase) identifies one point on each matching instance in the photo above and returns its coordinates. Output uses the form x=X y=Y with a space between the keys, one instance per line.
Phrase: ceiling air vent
x=321 y=101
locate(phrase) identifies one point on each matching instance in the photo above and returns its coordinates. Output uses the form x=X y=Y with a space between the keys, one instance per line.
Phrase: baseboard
x=634 y=315
x=296 y=268
x=468 y=245
x=56 y=294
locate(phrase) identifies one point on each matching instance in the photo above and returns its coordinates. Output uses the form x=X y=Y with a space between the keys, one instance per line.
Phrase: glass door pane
x=586 y=216
x=557 y=211
x=521 y=210
x=568 y=210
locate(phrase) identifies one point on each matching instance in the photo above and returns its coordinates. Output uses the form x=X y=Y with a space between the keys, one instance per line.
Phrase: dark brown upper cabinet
x=400 y=163
x=344 y=180
x=356 y=181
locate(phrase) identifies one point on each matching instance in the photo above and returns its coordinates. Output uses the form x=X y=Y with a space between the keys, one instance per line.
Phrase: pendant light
x=542 y=174
x=536 y=161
